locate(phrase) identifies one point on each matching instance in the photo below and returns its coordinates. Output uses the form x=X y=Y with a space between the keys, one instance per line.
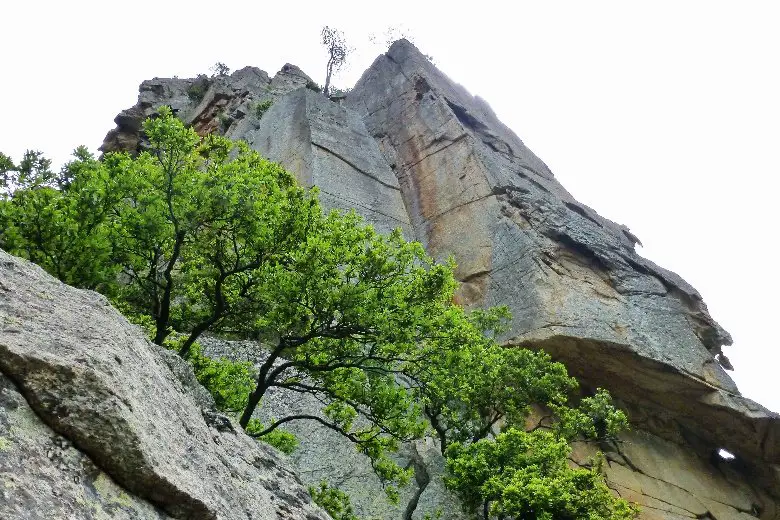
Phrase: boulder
x=94 y=421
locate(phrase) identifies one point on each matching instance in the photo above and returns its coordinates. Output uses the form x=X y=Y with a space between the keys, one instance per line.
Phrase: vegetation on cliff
x=200 y=235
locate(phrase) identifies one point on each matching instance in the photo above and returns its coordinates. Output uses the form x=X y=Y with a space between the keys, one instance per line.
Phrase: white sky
x=662 y=115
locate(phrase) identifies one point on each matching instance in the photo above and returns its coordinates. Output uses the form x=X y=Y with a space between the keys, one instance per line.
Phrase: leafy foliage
x=224 y=121
x=334 y=501
x=229 y=382
x=7 y=169
x=197 y=91
x=339 y=92
x=282 y=440
x=63 y=234
x=34 y=170
x=524 y=475
x=220 y=69
x=478 y=397
x=595 y=418
x=349 y=312
x=494 y=385
x=262 y=107
x=198 y=223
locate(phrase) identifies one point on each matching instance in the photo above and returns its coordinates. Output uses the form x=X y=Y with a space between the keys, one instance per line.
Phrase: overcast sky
x=662 y=115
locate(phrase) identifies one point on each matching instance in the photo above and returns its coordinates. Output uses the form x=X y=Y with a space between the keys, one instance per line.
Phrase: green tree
x=334 y=501
x=478 y=397
x=523 y=475
x=48 y=220
x=7 y=169
x=198 y=224
x=470 y=384
x=207 y=235
x=34 y=170
x=220 y=69
x=347 y=316
x=181 y=233
x=262 y=107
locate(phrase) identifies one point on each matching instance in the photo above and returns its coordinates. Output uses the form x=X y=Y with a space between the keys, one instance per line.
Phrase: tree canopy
x=525 y=476
x=201 y=234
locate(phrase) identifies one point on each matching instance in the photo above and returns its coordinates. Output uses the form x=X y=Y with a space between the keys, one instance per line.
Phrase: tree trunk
x=254 y=400
x=194 y=335
x=328 y=73
x=163 y=318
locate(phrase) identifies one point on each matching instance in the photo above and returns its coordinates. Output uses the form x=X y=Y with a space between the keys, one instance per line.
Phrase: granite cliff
x=406 y=147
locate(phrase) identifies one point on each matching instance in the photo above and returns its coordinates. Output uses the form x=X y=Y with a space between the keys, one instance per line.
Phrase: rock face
x=328 y=146
x=96 y=422
x=572 y=279
x=409 y=148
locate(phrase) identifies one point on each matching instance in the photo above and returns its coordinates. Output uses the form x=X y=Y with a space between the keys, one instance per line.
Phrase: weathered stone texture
x=43 y=476
x=328 y=146
x=474 y=190
x=225 y=104
x=670 y=482
x=324 y=144
x=104 y=397
x=574 y=283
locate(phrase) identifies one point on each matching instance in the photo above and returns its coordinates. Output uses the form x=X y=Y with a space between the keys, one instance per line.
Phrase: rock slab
x=93 y=419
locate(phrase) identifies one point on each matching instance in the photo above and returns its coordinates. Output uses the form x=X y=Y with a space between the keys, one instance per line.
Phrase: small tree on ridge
x=337 y=48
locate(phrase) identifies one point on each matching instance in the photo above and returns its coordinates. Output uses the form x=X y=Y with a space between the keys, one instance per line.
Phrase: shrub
x=339 y=92
x=224 y=121
x=262 y=107
x=199 y=87
x=334 y=501
x=520 y=475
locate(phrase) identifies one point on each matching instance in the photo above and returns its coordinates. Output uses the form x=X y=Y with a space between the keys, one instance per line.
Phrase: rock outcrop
x=96 y=422
x=571 y=278
x=410 y=148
